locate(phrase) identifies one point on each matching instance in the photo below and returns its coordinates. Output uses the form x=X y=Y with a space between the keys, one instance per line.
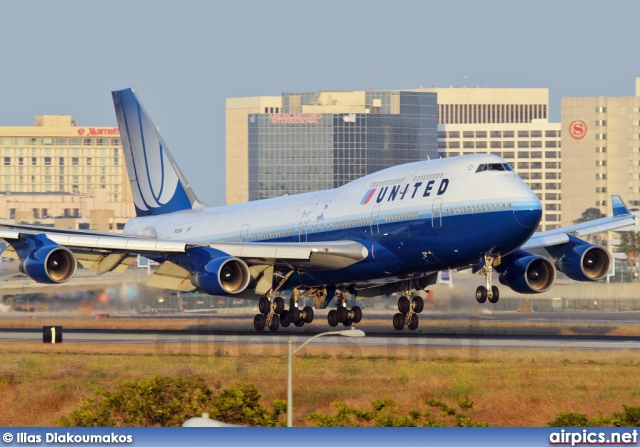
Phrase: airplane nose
x=528 y=217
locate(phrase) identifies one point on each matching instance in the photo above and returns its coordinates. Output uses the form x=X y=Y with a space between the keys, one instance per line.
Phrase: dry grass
x=39 y=383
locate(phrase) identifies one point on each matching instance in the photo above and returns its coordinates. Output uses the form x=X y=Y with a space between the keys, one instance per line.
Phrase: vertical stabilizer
x=157 y=185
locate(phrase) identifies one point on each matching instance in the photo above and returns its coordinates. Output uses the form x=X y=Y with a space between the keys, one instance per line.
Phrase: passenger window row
x=273 y=234
x=399 y=217
x=478 y=209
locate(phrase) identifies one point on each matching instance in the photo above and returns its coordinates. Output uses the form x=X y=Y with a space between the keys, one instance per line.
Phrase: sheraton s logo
x=578 y=129
x=418 y=189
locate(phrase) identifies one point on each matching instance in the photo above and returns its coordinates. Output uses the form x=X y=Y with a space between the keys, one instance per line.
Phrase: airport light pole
x=345 y=333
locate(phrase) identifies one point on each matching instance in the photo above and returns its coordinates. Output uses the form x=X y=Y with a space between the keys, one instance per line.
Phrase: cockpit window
x=494 y=167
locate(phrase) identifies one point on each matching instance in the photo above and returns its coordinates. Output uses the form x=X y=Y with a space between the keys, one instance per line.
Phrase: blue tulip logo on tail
x=157 y=185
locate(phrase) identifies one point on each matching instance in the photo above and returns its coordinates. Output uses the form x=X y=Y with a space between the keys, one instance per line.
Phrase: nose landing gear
x=488 y=291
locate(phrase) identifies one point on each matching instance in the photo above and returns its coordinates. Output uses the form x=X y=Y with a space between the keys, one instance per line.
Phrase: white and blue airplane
x=391 y=231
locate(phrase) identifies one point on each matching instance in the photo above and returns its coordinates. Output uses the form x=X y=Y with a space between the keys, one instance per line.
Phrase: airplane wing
x=107 y=252
x=622 y=217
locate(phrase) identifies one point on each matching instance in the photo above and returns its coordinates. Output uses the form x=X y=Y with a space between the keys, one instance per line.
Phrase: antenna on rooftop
x=375 y=78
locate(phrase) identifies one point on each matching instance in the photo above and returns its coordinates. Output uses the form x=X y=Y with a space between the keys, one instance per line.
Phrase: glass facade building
x=323 y=140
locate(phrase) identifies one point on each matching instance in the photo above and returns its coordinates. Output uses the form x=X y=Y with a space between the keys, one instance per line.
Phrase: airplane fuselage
x=414 y=218
x=387 y=232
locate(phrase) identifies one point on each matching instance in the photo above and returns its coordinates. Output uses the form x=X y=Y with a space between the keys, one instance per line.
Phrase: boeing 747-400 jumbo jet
x=391 y=231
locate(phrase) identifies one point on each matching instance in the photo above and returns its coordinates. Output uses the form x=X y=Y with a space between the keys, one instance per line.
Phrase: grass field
x=39 y=383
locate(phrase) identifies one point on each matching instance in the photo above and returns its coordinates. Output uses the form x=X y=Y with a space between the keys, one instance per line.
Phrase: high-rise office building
x=320 y=140
x=509 y=122
x=56 y=157
x=600 y=153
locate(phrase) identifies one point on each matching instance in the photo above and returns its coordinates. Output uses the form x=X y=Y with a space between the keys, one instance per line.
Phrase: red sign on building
x=92 y=131
x=577 y=129
x=295 y=118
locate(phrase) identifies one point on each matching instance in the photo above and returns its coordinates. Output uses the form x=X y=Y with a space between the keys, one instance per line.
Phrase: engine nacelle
x=586 y=262
x=50 y=264
x=529 y=274
x=225 y=275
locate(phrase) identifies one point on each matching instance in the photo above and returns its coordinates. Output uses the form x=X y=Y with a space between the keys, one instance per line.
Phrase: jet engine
x=529 y=274
x=50 y=264
x=226 y=275
x=586 y=262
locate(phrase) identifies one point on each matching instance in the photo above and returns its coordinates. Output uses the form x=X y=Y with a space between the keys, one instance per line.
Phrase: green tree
x=630 y=245
x=157 y=401
x=384 y=413
x=570 y=419
x=629 y=418
x=241 y=405
x=162 y=401
x=589 y=214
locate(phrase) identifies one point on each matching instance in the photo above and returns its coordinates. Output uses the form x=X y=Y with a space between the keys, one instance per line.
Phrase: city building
x=509 y=122
x=302 y=142
x=59 y=169
x=600 y=153
x=89 y=211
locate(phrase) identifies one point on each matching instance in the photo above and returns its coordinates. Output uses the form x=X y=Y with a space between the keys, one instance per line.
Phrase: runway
x=373 y=339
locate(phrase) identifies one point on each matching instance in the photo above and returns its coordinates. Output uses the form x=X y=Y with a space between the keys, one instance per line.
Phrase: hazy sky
x=183 y=58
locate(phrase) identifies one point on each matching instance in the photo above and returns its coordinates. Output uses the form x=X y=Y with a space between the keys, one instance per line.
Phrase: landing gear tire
x=413 y=324
x=348 y=323
x=275 y=323
x=488 y=290
x=259 y=322
x=284 y=318
x=496 y=295
x=300 y=323
x=481 y=294
x=404 y=305
x=418 y=304
x=279 y=302
x=294 y=315
x=343 y=314
x=308 y=314
x=398 y=321
x=264 y=305
x=332 y=318
x=356 y=312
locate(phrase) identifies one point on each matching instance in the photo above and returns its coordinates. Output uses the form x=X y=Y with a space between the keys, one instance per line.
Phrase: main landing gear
x=269 y=313
x=273 y=313
x=294 y=315
x=342 y=314
x=488 y=291
x=409 y=311
x=270 y=308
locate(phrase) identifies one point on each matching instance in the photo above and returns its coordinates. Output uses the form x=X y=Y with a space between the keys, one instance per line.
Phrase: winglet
x=157 y=185
x=619 y=208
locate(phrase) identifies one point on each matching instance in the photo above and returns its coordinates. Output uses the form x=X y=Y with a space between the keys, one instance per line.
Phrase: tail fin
x=157 y=185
